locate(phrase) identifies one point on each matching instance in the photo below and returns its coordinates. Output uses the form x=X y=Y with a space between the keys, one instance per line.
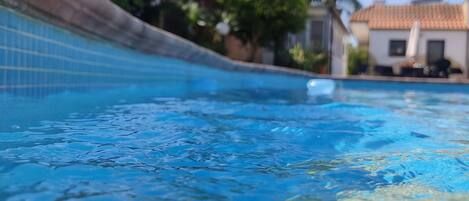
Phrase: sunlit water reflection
x=253 y=144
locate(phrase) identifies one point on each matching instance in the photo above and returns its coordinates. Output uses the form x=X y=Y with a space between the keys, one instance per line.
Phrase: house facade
x=324 y=32
x=385 y=30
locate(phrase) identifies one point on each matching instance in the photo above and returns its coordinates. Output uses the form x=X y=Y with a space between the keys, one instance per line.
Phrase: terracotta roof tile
x=431 y=16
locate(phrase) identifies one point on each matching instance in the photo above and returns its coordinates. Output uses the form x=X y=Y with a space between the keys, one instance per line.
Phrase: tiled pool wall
x=38 y=58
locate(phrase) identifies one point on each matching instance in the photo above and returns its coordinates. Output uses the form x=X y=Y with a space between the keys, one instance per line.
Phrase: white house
x=326 y=32
x=346 y=8
x=384 y=30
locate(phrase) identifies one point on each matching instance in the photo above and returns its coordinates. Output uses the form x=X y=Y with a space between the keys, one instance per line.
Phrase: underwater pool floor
x=146 y=143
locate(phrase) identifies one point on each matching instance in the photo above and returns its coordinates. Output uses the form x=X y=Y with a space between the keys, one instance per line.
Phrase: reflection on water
x=402 y=192
x=259 y=144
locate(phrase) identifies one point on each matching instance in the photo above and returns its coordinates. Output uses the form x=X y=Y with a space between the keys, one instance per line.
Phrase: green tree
x=165 y=14
x=265 y=22
x=134 y=7
x=186 y=18
x=258 y=23
x=357 y=57
x=203 y=16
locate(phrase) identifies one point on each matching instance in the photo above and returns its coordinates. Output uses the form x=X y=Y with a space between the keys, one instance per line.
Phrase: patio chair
x=441 y=68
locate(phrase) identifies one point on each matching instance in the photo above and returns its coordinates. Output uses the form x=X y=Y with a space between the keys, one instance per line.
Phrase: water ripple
x=236 y=146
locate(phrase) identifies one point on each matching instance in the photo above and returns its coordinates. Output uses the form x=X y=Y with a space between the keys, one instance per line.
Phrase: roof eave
x=424 y=29
x=336 y=15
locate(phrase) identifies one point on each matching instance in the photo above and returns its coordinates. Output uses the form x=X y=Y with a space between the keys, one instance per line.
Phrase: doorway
x=435 y=51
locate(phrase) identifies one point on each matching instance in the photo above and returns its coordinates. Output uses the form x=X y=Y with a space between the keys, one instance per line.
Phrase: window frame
x=393 y=53
x=313 y=33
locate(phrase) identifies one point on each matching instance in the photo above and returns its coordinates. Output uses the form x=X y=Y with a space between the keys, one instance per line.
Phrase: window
x=397 y=48
x=316 y=35
x=435 y=51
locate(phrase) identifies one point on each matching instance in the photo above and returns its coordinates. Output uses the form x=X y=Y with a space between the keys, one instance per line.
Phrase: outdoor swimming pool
x=82 y=118
x=259 y=140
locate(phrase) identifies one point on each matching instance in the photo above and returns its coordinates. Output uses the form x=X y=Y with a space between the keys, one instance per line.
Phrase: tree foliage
x=262 y=22
x=255 y=22
x=160 y=13
x=357 y=58
x=307 y=59
x=134 y=7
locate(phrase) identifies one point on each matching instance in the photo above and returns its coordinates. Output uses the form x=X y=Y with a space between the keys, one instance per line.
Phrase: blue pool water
x=82 y=118
x=257 y=139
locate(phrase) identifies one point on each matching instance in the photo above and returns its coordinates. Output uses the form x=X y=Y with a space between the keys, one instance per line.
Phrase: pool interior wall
x=37 y=58
x=97 y=119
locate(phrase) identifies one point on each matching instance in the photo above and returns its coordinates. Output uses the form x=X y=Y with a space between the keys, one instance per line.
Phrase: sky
x=369 y=2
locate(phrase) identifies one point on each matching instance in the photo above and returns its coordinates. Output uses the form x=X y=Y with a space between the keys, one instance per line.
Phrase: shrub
x=308 y=60
x=357 y=58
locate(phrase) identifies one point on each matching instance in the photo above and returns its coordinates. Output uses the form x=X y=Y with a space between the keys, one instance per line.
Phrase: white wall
x=361 y=32
x=339 y=56
x=455 y=46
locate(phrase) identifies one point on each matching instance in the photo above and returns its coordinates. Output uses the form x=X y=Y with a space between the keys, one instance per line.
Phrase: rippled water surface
x=368 y=141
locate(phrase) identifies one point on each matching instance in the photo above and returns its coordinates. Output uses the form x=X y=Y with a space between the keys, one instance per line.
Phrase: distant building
x=384 y=30
x=324 y=32
x=346 y=8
